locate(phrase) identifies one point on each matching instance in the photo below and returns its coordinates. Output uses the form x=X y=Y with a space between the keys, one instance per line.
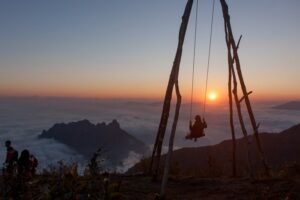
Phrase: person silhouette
x=11 y=157
x=27 y=164
x=197 y=129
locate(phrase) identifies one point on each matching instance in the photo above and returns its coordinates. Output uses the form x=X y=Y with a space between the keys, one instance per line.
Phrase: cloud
x=129 y=162
x=22 y=120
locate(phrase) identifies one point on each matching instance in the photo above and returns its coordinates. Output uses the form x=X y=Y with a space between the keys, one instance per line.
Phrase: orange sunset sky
x=125 y=49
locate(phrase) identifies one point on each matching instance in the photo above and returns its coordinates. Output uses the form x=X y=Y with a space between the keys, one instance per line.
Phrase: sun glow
x=212 y=96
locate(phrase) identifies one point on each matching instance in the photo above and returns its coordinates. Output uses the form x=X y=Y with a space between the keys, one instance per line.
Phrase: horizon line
x=161 y=99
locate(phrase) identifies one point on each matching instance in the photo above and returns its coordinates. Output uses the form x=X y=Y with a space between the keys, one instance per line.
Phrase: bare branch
x=257 y=126
x=244 y=96
x=238 y=44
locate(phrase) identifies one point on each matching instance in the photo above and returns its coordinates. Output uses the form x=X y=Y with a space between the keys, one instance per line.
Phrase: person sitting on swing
x=197 y=129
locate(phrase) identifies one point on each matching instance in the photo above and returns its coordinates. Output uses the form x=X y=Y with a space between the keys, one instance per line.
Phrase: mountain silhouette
x=86 y=138
x=292 y=105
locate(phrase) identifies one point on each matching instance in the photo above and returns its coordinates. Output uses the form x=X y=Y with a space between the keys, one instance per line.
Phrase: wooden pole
x=241 y=120
x=239 y=111
x=171 y=143
x=242 y=83
x=230 y=66
x=156 y=154
x=238 y=106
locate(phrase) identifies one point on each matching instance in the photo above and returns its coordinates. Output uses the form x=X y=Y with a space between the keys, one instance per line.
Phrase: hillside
x=215 y=160
x=86 y=138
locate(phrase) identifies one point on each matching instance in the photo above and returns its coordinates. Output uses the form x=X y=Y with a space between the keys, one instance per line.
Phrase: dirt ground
x=221 y=188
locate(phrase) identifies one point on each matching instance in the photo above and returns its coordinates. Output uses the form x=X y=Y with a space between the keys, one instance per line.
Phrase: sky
x=125 y=48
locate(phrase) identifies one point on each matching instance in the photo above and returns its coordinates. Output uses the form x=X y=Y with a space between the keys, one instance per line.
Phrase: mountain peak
x=86 y=137
x=114 y=124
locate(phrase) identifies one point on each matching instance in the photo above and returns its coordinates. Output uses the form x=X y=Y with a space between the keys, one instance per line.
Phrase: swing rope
x=194 y=55
x=208 y=59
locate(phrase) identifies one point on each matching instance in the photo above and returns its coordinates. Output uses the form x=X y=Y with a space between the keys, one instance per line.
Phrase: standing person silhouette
x=11 y=158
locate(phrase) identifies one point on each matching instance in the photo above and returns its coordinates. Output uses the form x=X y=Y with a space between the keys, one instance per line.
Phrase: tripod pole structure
x=156 y=154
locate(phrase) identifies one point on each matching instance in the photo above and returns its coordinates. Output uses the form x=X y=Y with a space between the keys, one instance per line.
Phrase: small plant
x=95 y=168
x=62 y=181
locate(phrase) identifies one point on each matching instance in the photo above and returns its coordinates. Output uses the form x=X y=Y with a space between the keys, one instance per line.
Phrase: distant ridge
x=86 y=138
x=292 y=105
x=279 y=148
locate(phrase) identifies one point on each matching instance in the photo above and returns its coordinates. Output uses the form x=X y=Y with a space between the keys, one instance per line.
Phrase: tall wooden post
x=235 y=57
x=241 y=120
x=230 y=66
x=156 y=154
x=171 y=143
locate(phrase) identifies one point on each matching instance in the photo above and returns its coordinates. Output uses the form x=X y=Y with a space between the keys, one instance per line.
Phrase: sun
x=212 y=96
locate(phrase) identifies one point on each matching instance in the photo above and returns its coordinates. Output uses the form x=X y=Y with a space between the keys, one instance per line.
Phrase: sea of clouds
x=23 y=119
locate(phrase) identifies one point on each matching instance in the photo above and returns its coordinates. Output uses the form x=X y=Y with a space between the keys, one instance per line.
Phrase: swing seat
x=194 y=136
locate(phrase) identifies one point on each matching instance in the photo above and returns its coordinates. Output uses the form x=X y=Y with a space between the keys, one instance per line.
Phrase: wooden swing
x=197 y=129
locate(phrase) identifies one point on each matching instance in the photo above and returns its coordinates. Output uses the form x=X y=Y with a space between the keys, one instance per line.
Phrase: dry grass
x=63 y=182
